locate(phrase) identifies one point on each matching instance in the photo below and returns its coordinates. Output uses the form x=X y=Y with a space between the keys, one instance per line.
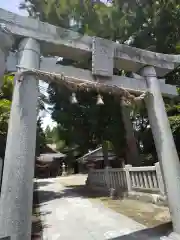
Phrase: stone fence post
x=89 y=180
x=160 y=179
x=64 y=172
x=107 y=177
x=128 y=178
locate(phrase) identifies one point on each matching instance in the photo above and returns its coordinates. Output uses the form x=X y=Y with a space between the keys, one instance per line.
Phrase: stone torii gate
x=33 y=39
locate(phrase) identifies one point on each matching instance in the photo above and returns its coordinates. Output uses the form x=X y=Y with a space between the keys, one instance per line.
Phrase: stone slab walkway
x=68 y=216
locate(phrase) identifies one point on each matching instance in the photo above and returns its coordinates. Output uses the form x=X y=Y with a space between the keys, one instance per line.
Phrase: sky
x=12 y=6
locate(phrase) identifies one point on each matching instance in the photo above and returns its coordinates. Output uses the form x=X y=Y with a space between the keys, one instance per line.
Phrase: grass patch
x=147 y=214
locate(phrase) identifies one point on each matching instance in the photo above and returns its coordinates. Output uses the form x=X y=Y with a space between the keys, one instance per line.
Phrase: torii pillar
x=102 y=65
x=18 y=172
x=165 y=146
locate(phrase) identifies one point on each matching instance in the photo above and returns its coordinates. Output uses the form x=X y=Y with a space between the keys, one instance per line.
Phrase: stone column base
x=172 y=236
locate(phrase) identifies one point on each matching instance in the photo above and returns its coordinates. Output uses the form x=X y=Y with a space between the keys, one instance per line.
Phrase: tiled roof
x=85 y=157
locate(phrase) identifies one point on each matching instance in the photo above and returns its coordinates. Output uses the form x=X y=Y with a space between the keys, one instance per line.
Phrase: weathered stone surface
x=102 y=57
x=18 y=170
x=11 y=62
x=56 y=40
x=131 y=84
x=6 y=38
x=2 y=66
x=164 y=142
x=6 y=41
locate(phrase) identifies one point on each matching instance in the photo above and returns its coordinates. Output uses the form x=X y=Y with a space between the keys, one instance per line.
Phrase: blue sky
x=12 y=6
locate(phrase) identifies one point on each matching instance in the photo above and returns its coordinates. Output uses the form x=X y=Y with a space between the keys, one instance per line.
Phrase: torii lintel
x=66 y=43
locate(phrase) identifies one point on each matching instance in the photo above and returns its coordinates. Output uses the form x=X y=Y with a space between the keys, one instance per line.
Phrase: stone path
x=66 y=215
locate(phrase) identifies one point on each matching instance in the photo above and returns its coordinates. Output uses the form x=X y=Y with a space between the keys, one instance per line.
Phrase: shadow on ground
x=43 y=183
x=70 y=191
x=83 y=191
x=37 y=224
x=148 y=234
x=46 y=196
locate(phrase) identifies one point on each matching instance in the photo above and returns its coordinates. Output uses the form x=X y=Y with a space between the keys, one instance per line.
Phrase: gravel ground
x=69 y=210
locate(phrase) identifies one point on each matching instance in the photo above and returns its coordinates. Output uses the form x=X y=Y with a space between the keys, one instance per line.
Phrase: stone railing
x=143 y=178
x=138 y=179
x=97 y=177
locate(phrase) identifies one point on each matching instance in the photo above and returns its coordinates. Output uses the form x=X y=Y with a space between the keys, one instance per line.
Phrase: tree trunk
x=105 y=153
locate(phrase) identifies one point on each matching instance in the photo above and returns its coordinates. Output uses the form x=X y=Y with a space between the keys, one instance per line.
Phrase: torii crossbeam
x=33 y=39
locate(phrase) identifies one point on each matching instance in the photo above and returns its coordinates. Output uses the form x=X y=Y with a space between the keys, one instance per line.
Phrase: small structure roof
x=91 y=152
x=85 y=157
x=49 y=157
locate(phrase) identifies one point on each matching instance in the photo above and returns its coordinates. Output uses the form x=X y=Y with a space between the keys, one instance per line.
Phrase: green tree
x=48 y=135
x=51 y=135
x=5 y=105
x=173 y=111
x=40 y=138
x=151 y=25
x=86 y=124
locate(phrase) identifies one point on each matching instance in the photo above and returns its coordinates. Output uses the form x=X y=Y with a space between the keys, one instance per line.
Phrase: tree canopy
x=5 y=107
x=146 y=24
